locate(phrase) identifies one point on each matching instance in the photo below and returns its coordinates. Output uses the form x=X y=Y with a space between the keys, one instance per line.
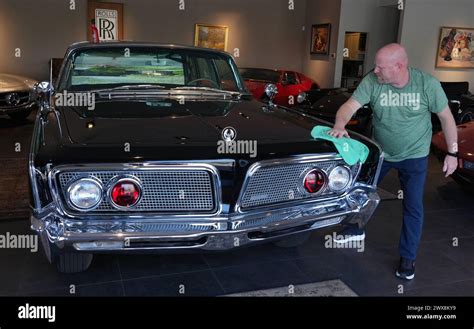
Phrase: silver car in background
x=16 y=96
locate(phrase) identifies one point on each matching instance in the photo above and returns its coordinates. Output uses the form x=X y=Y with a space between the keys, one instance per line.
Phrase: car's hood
x=166 y=130
x=10 y=83
x=167 y=122
x=326 y=102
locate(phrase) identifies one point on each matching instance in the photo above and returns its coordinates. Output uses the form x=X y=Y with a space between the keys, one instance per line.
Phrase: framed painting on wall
x=211 y=36
x=105 y=21
x=320 y=37
x=455 y=48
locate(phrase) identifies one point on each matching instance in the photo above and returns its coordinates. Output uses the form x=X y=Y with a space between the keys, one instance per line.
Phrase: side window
x=290 y=78
x=226 y=75
x=201 y=73
x=205 y=69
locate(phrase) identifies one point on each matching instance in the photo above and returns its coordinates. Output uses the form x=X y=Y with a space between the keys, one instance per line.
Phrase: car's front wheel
x=293 y=240
x=20 y=115
x=73 y=262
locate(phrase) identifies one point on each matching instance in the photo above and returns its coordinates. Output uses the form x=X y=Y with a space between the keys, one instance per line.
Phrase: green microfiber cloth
x=351 y=150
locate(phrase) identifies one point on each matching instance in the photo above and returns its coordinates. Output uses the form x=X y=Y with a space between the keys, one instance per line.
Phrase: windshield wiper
x=207 y=89
x=129 y=87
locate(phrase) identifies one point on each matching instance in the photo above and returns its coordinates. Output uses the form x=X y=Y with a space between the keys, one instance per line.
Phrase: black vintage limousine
x=144 y=147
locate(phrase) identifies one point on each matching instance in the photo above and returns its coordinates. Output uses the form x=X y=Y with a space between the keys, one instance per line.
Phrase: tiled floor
x=444 y=268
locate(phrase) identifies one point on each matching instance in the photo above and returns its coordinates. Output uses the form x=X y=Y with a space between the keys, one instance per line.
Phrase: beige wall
x=420 y=32
x=378 y=20
x=266 y=32
x=321 y=68
x=41 y=30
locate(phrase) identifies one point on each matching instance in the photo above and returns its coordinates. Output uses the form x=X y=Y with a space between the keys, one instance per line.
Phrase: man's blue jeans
x=412 y=175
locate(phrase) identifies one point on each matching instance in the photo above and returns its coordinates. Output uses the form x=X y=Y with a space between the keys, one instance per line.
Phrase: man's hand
x=338 y=132
x=450 y=165
x=343 y=115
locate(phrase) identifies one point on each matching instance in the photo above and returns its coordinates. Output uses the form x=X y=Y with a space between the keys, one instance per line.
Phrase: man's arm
x=343 y=116
x=451 y=136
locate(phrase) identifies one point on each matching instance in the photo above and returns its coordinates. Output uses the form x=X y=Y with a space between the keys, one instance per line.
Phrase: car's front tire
x=293 y=240
x=73 y=262
x=20 y=115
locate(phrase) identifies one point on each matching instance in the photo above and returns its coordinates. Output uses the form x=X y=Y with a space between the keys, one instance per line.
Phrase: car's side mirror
x=44 y=91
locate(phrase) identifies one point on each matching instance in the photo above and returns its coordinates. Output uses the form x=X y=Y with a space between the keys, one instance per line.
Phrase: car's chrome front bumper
x=213 y=233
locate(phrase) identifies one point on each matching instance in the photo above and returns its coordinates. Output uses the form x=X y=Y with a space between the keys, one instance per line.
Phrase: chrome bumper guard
x=222 y=232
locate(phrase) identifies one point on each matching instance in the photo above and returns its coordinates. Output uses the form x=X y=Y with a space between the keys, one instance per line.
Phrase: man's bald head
x=394 y=53
x=391 y=64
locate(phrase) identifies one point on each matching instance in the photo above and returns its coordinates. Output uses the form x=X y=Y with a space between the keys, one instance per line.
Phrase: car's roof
x=105 y=44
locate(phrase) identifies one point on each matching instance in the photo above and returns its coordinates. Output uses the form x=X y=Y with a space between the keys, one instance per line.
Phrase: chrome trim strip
x=31 y=164
x=151 y=166
x=379 y=168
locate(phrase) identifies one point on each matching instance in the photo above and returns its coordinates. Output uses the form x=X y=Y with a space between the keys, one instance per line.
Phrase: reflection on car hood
x=10 y=82
x=167 y=122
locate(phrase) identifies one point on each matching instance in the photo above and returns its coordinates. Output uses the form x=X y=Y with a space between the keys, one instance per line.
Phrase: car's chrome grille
x=23 y=97
x=278 y=183
x=168 y=191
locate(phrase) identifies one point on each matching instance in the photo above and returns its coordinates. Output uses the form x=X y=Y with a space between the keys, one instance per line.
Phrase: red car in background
x=464 y=175
x=288 y=83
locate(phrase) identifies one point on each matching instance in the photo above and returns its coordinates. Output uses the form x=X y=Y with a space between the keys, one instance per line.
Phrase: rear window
x=259 y=74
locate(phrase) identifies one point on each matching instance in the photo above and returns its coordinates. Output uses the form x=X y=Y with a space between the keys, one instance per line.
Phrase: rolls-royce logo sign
x=106 y=20
x=229 y=134
x=13 y=99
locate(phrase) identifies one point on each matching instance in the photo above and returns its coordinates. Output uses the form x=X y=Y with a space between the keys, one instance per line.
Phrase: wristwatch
x=452 y=154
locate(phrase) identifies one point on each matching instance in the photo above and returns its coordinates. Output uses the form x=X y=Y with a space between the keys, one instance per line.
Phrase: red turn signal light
x=314 y=181
x=125 y=193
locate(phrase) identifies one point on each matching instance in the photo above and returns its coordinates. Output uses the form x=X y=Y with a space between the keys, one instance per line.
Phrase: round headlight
x=339 y=178
x=301 y=97
x=85 y=194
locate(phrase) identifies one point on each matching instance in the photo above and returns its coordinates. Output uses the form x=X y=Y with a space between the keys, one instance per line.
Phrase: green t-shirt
x=402 y=116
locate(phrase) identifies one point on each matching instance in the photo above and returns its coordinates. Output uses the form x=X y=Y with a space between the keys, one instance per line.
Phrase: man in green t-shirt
x=402 y=99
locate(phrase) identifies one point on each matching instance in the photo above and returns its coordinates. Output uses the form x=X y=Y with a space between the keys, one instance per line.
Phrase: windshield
x=164 y=68
x=260 y=74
